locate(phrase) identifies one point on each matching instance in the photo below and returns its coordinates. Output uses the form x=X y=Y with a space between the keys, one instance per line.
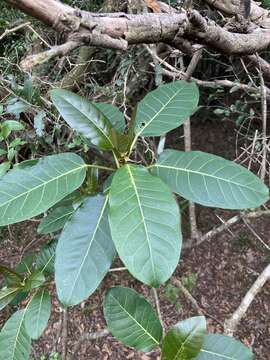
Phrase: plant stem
x=100 y=167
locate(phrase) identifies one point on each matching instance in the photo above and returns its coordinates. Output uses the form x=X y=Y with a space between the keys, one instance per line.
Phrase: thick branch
x=145 y=28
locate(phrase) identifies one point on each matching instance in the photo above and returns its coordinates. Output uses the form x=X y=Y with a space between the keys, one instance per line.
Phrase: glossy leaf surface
x=84 y=252
x=166 y=108
x=210 y=180
x=15 y=343
x=145 y=224
x=185 y=339
x=27 y=192
x=84 y=117
x=113 y=114
x=220 y=347
x=37 y=313
x=55 y=220
x=131 y=319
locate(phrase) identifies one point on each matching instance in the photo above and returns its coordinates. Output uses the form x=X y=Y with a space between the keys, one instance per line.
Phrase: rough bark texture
x=99 y=29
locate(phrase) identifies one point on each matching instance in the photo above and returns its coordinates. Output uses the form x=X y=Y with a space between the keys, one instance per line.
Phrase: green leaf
x=46 y=257
x=184 y=341
x=210 y=180
x=131 y=319
x=37 y=313
x=35 y=280
x=84 y=252
x=2 y=151
x=113 y=114
x=15 y=343
x=4 y=167
x=55 y=220
x=26 y=264
x=7 y=295
x=39 y=124
x=220 y=347
x=17 y=107
x=10 y=125
x=11 y=276
x=166 y=108
x=145 y=224
x=84 y=117
x=27 y=192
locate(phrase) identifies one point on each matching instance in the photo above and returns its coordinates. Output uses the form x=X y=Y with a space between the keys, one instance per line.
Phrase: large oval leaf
x=166 y=108
x=84 y=252
x=27 y=192
x=220 y=347
x=113 y=114
x=84 y=117
x=37 y=313
x=185 y=339
x=145 y=224
x=55 y=220
x=210 y=180
x=131 y=319
x=15 y=343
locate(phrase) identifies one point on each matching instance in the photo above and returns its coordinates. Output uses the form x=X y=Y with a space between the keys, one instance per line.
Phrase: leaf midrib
x=153 y=118
x=185 y=341
x=202 y=174
x=54 y=220
x=97 y=127
x=143 y=220
x=41 y=185
x=133 y=318
x=216 y=354
x=89 y=246
x=39 y=310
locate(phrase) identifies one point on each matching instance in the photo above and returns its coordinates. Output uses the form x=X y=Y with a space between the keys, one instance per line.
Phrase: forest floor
x=218 y=272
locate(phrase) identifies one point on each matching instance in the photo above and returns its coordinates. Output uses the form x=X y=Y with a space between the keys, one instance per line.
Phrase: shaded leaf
x=84 y=117
x=29 y=191
x=145 y=224
x=4 y=167
x=7 y=295
x=55 y=220
x=113 y=114
x=17 y=107
x=185 y=339
x=37 y=313
x=35 y=280
x=15 y=343
x=84 y=252
x=166 y=108
x=39 y=124
x=10 y=275
x=210 y=180
x=220 y=347
x=46 y=257
x=131 y=319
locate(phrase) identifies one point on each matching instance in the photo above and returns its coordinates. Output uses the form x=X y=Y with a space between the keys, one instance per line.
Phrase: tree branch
x=232 y=323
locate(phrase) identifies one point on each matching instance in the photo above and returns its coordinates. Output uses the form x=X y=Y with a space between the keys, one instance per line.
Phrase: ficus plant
x=130 y=212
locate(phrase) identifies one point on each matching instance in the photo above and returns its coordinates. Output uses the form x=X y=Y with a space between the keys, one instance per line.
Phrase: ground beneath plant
x=225 y=267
